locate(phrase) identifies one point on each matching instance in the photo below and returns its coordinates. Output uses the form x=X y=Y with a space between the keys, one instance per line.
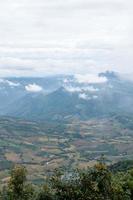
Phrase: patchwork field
x=42 y=147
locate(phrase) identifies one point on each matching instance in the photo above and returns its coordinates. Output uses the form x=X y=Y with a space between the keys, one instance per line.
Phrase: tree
x=45 y=193
x=17 y=188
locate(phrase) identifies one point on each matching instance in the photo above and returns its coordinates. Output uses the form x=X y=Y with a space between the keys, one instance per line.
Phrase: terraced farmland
x=42 y=147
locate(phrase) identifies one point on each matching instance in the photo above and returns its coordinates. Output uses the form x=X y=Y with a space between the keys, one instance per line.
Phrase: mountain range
x=66 y=97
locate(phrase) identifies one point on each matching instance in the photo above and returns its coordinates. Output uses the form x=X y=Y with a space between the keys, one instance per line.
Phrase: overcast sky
x=46 y=37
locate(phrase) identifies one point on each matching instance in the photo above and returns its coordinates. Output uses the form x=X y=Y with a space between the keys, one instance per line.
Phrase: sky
x=48 y=37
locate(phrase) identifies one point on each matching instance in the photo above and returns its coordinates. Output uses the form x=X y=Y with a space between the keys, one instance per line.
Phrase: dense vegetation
x=97 y=183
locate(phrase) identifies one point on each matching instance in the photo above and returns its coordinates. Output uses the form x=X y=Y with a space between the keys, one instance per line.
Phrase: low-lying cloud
x=73 y=89
x=90 y=78
x=10 y=83
x=33 y=88
x=87 y=97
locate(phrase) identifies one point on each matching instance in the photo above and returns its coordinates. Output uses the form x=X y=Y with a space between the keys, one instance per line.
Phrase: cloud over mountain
x=10 y=83
x=33 y=88
x=90 y=78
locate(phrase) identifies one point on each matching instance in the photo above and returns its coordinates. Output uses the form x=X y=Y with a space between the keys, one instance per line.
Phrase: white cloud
x=73 y=36
x=66 y=80
x=84 y=96
x=73 y=89
x=33 y=88
x=10 y=83
x=90 y=78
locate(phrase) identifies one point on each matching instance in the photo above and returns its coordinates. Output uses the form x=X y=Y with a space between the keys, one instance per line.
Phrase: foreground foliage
x=97 y=183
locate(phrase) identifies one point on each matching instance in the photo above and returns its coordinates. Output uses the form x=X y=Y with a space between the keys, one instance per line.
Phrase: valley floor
x=42 y=147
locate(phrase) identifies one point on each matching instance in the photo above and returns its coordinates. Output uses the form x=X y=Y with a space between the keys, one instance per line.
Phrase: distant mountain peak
x=109 y=75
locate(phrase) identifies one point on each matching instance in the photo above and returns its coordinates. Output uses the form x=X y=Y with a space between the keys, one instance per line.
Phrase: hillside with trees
x=97 y=183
